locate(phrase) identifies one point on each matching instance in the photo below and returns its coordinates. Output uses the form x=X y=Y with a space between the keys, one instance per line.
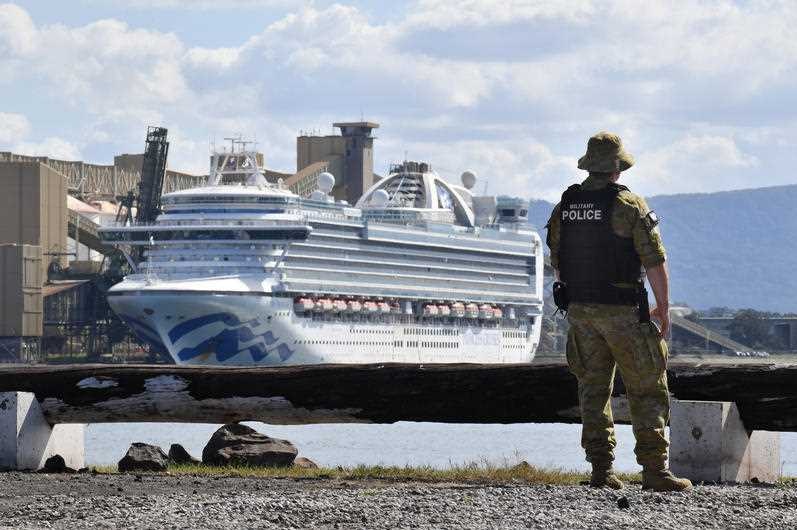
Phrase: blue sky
x=703 y=92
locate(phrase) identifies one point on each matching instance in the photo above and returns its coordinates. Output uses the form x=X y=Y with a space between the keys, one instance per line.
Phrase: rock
x=305 y=463
x=179 y=455
x=238 y=444
x=623 y=503
x=56 y=464
x=144 y=457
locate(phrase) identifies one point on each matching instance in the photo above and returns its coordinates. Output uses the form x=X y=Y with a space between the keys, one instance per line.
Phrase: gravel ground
x=158 y=501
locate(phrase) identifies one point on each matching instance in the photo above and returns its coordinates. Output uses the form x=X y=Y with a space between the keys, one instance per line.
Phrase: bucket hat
x=605 y=154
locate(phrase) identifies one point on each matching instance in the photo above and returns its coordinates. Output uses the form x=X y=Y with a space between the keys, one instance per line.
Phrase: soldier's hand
x=663 y=317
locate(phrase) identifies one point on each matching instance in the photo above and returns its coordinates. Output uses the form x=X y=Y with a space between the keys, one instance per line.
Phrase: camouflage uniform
x=603 y=336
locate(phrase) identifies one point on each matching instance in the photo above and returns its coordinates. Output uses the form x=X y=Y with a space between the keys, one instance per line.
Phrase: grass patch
x=476 y=473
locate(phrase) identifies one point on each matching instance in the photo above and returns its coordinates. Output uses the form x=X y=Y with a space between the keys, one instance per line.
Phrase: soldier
x=601 y=236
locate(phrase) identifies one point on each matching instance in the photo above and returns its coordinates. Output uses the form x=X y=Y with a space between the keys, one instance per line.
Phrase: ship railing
x=166 y=272
x=211 y=222
x=388 y=216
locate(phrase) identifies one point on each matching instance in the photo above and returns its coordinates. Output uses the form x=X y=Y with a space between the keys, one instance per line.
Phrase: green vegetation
x=478 y=473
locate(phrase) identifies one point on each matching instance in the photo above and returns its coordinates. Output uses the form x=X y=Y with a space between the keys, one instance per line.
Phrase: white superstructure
x=250 y=273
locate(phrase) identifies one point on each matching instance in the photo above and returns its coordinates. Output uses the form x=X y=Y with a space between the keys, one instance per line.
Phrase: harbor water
x=400 y=444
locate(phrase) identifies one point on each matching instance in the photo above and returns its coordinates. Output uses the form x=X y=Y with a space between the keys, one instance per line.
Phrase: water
x=406 y=443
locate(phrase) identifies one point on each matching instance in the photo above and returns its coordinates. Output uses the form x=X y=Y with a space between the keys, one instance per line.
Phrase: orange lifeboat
x=370 y=307
x=353 y=306
x=498 y=312
x=472 y=311
x=339 y=306
x=384 y=307
x=485 y=311
x=444 y=310
x=303 y=305
x=458 y=309
x=430 y=310
x=326 y=304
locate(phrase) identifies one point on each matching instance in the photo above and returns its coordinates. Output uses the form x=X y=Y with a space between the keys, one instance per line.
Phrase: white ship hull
x=257 y=329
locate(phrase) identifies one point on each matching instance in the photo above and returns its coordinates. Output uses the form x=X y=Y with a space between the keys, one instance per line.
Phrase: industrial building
x=349 y=156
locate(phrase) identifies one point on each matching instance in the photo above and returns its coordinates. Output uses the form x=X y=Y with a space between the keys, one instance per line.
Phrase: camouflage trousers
x=604 y=337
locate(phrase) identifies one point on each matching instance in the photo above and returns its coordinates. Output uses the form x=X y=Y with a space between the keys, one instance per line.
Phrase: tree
x=751 y=328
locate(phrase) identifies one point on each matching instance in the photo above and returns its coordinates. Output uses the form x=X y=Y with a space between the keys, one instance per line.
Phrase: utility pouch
x=644 y=306
x=560 y=297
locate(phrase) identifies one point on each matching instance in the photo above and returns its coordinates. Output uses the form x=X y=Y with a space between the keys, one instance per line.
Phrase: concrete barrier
x=27 y=440
x=709 y=443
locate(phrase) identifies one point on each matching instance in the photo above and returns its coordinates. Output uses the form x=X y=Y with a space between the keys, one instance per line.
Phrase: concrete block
x=27 y=440
x=709 y=443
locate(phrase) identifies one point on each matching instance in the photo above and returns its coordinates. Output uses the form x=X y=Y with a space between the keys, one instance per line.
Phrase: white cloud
x=202 y=4
x=712 y=80
x=444 y=14
x=52 y=147
x=13 y=126
x=17 y=32
x=522 y=167
x=692 y=163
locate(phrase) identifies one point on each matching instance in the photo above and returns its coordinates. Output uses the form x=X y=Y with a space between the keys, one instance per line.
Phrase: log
x=766 y=395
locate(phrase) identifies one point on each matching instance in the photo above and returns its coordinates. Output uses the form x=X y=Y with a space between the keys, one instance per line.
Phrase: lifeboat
x=485 y=311
x=318 y=306
x=444 y=310
x=472 y=311
x=458 y=309
x=498 y=312
x=339 y=306
x=325 y=304
x=384 y=307
x=395 y=308
x=430 y=310
x=370 y=307
x=302 y=305
x=353 y=306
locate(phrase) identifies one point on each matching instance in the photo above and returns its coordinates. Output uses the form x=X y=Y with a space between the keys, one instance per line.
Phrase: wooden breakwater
x=765 y=394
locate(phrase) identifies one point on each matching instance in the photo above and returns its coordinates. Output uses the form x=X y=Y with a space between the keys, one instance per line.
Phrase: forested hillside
x=734 y=249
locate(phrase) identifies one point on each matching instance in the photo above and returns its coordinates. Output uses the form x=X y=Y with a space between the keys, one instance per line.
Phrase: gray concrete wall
x=20 y=291
x=33 y=209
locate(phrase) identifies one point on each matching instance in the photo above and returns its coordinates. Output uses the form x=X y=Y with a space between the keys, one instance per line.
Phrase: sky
x=702 y=92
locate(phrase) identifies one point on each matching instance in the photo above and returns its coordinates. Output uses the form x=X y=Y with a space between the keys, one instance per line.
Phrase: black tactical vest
x=592 y=258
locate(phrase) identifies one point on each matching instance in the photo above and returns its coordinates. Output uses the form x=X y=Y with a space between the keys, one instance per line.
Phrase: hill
x=733 y=248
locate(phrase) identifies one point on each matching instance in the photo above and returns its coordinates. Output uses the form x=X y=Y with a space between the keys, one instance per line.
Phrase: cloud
x=714 y=81
x=522 y=167
x=201 y=4
x=51 y=147
x=674 y=166
x=13 y=127
x=444 y=14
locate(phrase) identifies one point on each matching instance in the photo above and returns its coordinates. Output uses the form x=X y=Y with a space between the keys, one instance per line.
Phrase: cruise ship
x=245 y=272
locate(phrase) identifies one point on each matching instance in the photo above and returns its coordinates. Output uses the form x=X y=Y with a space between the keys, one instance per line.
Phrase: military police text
x=582 y=212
